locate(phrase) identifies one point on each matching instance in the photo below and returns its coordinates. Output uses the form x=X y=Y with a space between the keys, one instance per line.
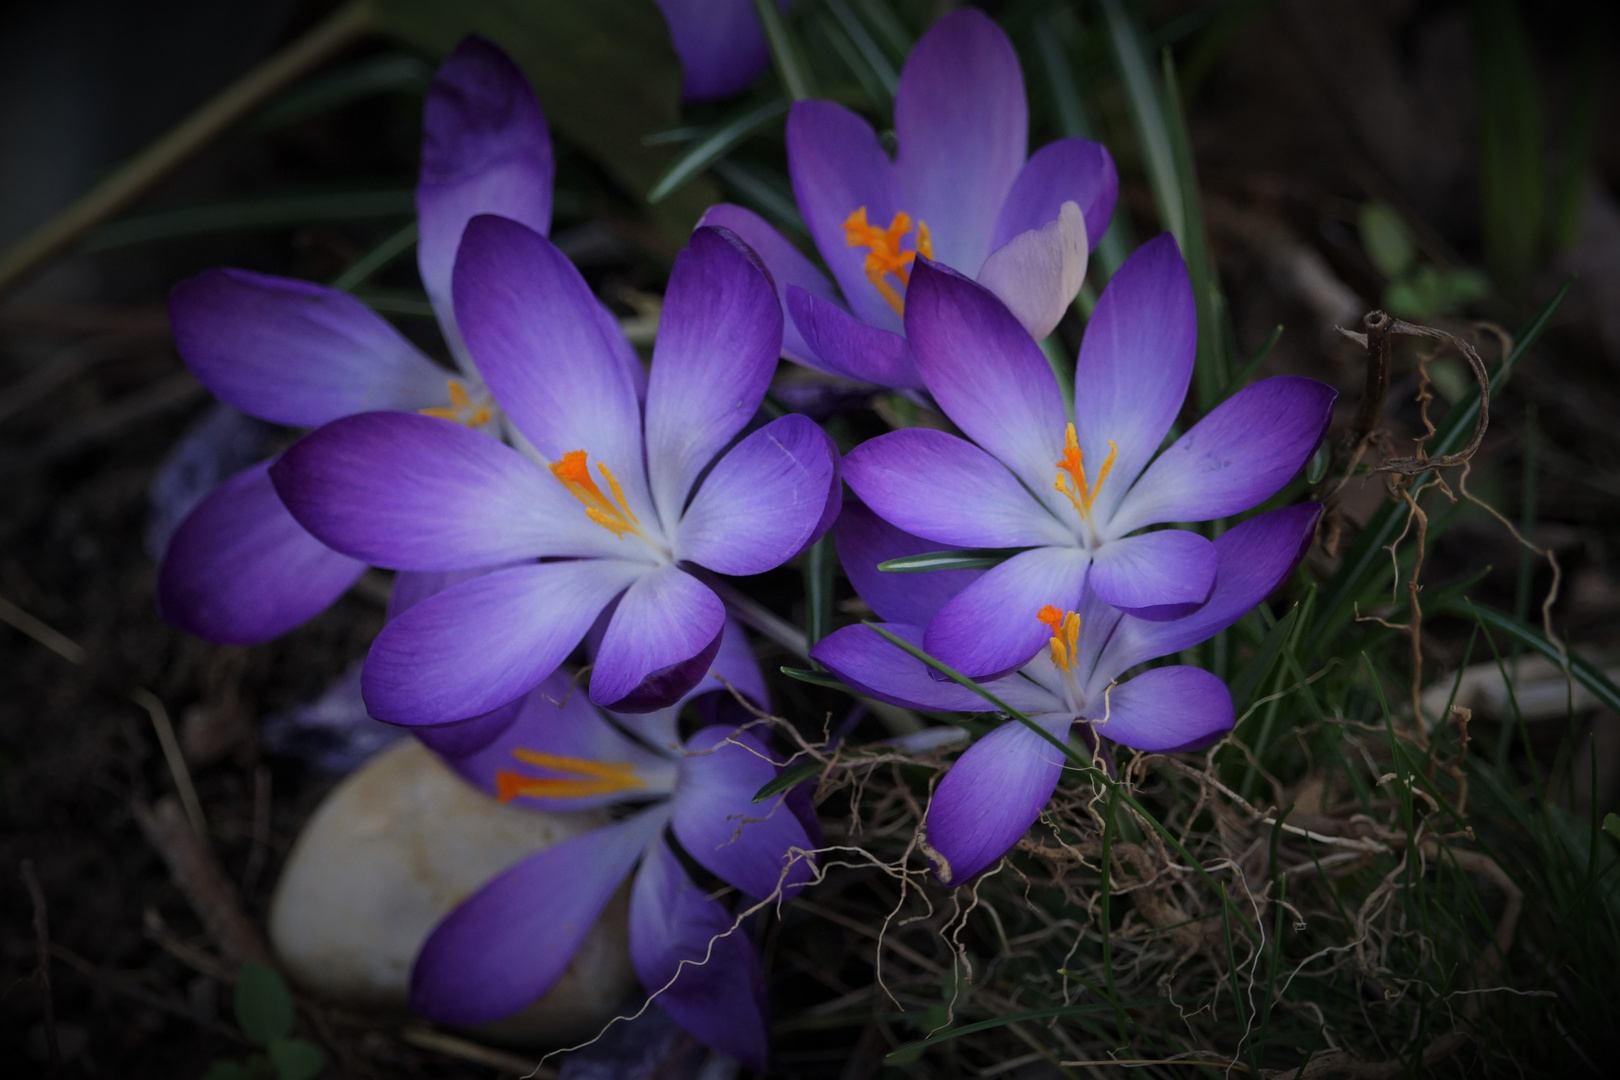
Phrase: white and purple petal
x=841 y=344
x=240 y=570
x=991 y=796
x=1156 y=569
x=720 y=42
x=296 y=353
x=990 y=628
x=485 y=150
x=880 y=669
x=505 y=945
x=1164 y=709
x=864 y=540
x=659 y=643
x=787 y=265
x=1068 y=170
x=1038 y=273
x=474 y=647
x=761 y=848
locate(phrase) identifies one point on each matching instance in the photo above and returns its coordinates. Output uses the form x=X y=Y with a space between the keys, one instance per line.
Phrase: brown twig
x=42 y=963
x=198 y=875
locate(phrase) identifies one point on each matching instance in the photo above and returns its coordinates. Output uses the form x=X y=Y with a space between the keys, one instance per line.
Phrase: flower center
x=614 y=514
x=461 y=409
x=884 y=259
x=580 y=778
x=1071 y=474
x=1065 y=627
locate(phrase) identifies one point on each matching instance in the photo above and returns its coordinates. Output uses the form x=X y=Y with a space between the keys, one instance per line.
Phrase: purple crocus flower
x=239 y=570
x=997 y=788
x=615 y=505
x=1071 y=492
x=509 y=942
x=959 y=191
x=720 y=42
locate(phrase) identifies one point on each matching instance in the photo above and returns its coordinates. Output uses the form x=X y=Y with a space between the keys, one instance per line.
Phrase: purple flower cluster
x=552 y=494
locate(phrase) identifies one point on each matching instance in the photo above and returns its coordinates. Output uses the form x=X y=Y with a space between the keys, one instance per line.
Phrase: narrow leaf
x=714 y=145
x=970 y=559
x=789 y=777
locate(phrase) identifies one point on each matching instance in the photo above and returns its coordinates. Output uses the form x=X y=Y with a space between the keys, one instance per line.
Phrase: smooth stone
x=389 y=853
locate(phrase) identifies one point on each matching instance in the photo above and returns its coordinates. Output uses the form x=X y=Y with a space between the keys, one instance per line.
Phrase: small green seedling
x=264 y=1012
x=1415 y=291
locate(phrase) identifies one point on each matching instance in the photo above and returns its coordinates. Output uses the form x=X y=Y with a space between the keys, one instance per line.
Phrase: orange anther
x=581 y=777
x=883 y=255
x=1071 y=476
x=614 y=515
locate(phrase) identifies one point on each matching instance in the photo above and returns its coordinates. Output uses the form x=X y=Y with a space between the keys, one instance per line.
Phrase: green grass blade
x=786 y=53
x=820 y=567
x=770 y=194
x=871 y=53
x=789 y=777
x=716 y=144
x=386 y=73
x=276 y=211
x=899 y=1053
x=971 y=559
x=1581 y=669
x=1510 y=142
x=371 y=262
x=1247 y=682
x=1142 y=96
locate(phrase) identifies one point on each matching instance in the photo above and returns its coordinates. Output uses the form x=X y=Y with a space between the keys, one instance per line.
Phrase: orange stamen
x=1071 y=476
x=1065 y=627
x=883 y=255
x=581 y=778
x=461 y=409
x=614 y=515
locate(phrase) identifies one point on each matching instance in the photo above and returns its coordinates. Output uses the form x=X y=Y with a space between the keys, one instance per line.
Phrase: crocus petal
x=239 y=570
x=715 y=818
x=944 y=488
x=838 y=167
x=412 y=587
x=718 y=341
x=762 y=502
x=786 y=263
x=554 y=719
x=880 y=669
x=1134 y=366
x=1037 y=273
x=990 y=627
x=1167 y=708
x=1068 y=170
x=840 y=344
x=987 y=373
x=296 y=353
x=962 y=128
x=474 y=647
x=413 y=492
x=485 y=150
x=1172 y=566
x=677 y=932
x=545 y=349
x=863 y=540
x=720 y=42
x=1239 y=455
x=466 y=737
x=1254 y=558
x=659 y=643
x=991 y=796
x=507 y=943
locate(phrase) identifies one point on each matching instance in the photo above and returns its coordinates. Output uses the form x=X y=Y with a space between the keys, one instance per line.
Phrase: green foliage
x=264 y=1012
x=1416 y=291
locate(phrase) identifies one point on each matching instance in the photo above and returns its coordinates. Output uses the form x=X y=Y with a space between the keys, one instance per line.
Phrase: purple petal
x=745 y=843
x=1069 y=170
x=465 y=737
x=485 y=150
x=840 y=344
x=660 y=642
x=677 y=932
x=863 y=540
x=879 y=669
x=478 y=645
x=1166 y=709
x=990 y=627
x=1038 y=273
x=239 y=570
x=944 y=488
x=1238 y=456
x=555 y=719
x=718 y=341
x=837 y=168
x=720 y=42
x=763 y=501
x=1254 y=558
x=511 y=940
x=988 y=374
x=786 y=263
x=991 y=796
x=412 y=587
x=546 y=349
x=414 y=492
x=296 y=353
x=962 y=128
x=1172 y=566
x=1135 y=363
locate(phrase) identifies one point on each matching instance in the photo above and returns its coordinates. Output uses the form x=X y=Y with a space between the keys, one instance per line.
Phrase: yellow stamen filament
x=1065 y=627
x=614 y=515
x=461 y=409
x=1071 y=475
x=581 y=778
x=883 y=255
